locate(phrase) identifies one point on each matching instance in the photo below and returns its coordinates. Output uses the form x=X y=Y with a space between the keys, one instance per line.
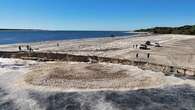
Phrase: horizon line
x=34 y=29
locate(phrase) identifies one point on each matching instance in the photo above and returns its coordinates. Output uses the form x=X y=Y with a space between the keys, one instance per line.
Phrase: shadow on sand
x=6 y=104
x=169 y=98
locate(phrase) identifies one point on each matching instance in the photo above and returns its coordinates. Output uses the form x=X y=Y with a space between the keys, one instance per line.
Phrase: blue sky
x=95 y=14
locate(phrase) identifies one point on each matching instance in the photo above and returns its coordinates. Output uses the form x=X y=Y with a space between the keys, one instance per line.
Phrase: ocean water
x=10 y=37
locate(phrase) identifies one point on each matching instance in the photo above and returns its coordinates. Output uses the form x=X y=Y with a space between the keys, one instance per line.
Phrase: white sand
x=177 y=50
x=10 y=71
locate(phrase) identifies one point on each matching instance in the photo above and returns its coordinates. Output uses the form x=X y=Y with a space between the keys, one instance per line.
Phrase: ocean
x=20 y=36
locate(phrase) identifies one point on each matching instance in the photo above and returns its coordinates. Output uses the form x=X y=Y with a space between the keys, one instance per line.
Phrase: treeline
x=188 y=30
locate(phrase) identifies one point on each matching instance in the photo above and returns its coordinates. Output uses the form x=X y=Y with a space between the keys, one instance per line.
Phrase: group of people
x=135 y=46
x=137 y=55
x=28 y=48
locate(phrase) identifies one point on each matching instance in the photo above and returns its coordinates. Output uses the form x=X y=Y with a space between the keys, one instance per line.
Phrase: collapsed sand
x=95 y=76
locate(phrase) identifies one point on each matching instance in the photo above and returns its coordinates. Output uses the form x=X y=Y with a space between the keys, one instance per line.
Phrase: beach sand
x=32 y=85
x=176 y=50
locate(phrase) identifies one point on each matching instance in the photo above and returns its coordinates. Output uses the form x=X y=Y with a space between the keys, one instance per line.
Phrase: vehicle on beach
x=148 y=43
x=97 y=55
x=144 y=47
x=157 y=45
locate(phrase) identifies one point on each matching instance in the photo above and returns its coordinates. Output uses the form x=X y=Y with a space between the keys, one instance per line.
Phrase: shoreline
x=137 y=34
x=59 y=81
x=61 y=36
x=122 y=47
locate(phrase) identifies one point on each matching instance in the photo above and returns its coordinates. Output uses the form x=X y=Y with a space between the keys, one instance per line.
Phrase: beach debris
x=92 y=60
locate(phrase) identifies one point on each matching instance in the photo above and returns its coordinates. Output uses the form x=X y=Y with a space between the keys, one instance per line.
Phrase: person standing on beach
x=137 y=55
x=20 y=48
x=136 y=46
x=28 y=47
x=148 y=55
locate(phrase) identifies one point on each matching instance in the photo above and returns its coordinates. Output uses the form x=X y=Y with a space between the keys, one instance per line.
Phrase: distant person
x=28 y=47
x=148 y=55
x=136 y=45
x=137 y=55
x=19 y=48
x=58 y=44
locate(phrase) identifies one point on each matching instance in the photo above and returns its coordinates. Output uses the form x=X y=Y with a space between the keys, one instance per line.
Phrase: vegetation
x=188 y=29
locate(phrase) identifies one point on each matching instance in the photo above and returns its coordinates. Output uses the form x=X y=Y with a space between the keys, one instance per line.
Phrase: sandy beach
x=33 y=85
x=176 y=49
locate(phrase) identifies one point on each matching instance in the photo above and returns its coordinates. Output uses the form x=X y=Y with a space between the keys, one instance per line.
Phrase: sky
x=95 y=14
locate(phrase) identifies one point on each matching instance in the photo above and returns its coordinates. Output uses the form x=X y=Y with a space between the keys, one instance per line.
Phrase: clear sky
x=95 y=14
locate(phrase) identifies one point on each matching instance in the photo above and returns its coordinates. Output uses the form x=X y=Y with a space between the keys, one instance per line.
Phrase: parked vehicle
x=143 y=47
x=157 y=45
x=148 y=43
